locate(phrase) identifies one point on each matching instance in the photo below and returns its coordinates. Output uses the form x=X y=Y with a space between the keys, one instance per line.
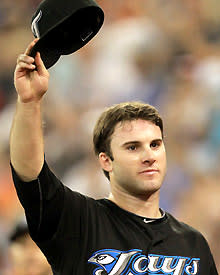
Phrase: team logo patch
x=134 y=262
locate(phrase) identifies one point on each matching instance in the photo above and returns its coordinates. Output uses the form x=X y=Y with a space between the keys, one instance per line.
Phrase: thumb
x=40 y=65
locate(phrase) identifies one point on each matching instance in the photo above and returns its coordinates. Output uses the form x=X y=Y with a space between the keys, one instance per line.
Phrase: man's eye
x=155 y=144
x=132 y=148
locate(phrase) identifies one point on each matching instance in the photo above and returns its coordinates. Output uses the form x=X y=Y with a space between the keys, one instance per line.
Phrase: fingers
x=25 y=58
x=30 y=46
x=40 y=65
x=25 y=62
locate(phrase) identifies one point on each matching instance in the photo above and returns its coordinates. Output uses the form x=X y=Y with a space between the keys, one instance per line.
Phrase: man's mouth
x=149 y=172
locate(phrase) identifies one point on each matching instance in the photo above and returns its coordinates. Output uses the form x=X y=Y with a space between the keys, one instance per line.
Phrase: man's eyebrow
x=157 y=140
x=130 y=142
x=139 y=142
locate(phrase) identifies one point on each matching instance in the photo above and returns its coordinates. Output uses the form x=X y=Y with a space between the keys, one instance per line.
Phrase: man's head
x=122 y=112
x=128 y=138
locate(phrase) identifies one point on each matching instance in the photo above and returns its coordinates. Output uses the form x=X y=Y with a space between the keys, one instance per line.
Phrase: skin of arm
x=26 y=137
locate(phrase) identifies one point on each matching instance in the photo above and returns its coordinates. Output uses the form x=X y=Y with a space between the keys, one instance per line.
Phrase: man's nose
x=148 y=156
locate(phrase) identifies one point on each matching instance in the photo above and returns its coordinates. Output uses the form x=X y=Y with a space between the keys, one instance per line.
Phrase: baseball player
x=126 y=233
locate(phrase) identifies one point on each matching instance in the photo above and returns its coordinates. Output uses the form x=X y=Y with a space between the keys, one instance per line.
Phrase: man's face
x=139 y=164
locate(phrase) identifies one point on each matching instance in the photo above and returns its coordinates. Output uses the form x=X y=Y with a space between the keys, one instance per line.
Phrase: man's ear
x=105 y=162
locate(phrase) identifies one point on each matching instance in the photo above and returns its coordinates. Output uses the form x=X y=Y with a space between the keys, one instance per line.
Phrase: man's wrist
x=32 y=103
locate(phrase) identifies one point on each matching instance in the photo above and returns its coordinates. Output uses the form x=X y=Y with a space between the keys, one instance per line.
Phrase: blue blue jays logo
x=134 y=262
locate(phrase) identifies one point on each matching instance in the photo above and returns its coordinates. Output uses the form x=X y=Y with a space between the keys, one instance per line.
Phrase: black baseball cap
x=63 y=27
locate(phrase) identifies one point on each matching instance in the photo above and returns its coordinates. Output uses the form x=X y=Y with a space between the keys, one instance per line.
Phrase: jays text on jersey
x=83 y=236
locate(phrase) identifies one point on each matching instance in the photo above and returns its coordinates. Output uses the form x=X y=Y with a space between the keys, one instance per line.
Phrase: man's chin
x=149 y=187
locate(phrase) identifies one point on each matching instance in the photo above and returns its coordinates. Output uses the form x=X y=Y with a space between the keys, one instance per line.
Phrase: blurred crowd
x=166 y=53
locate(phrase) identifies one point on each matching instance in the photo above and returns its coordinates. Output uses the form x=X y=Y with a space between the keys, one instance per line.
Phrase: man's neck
x=145 y=206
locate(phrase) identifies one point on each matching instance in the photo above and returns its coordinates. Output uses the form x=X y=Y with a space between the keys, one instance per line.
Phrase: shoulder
x=184 y=229
x=81 y=202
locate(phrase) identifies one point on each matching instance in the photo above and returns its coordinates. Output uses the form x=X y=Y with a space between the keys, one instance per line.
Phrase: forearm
x=26 y=140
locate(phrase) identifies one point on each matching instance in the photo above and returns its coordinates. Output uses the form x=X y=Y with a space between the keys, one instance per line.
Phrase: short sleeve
x=42 y=200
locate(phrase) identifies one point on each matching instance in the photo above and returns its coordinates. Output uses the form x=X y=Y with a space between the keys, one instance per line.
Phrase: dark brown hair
x=121 y=112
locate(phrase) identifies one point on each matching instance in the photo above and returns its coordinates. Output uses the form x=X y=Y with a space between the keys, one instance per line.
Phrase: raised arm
x=26 y=139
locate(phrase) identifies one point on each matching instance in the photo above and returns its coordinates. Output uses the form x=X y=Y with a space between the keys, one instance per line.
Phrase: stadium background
x=166 y=53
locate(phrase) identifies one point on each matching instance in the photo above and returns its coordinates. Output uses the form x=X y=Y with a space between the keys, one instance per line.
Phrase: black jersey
x=82 y=236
